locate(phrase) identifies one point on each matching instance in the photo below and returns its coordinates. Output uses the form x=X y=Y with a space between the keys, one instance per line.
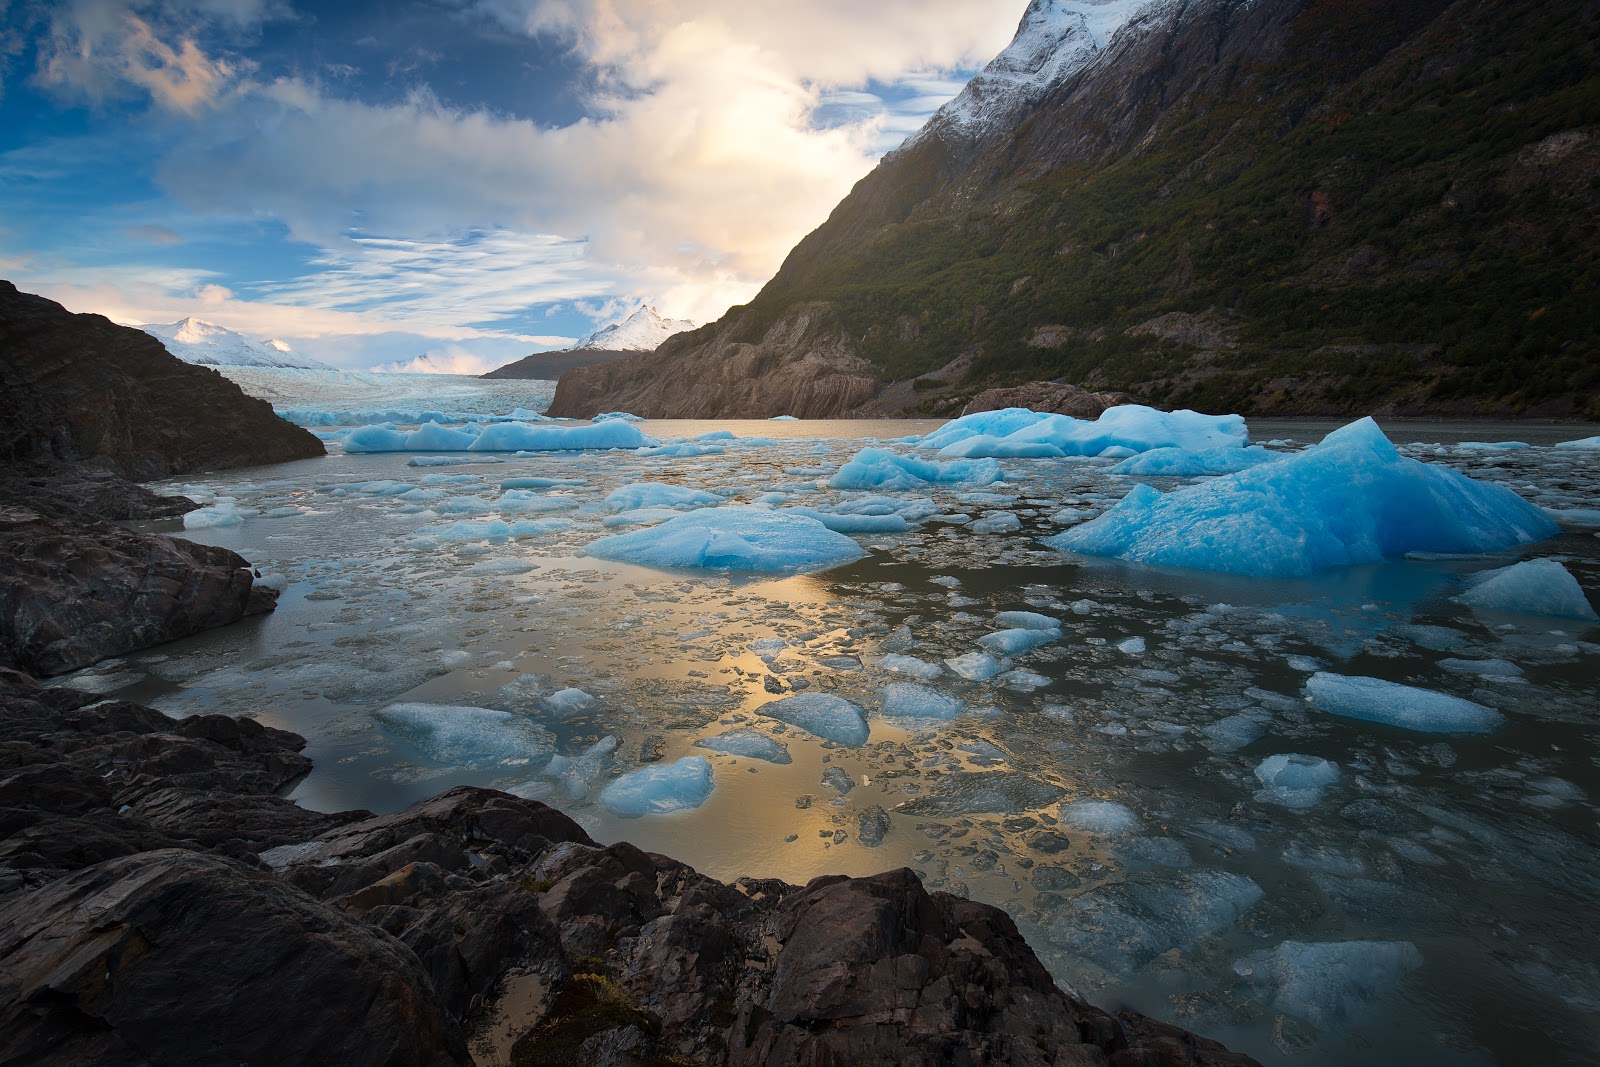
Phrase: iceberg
x=660 y=789
x=828 y=717
x=878 y=468
x=1583 y=444
x=1393 y=704
x=498 y=437
x=741 y=538
x=1351 y=499
x=1119 y=431
x=1017 y=641
x=1183 y=463
x=1532 y=587
x=1328 y=983
x=657 y=495
x=1104 y=817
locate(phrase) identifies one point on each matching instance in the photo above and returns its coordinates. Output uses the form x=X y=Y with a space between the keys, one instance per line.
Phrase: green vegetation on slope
x=1421 y=234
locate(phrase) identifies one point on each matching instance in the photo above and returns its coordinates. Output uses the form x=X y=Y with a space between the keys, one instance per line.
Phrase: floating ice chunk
x=491 y=530
x=500 y=568
x=854 y=524
x=683 y=449
x=1235 y=731
x=498 y=437
x=1118 y=432
x=467 y=735
x=1532 y=587
x=1351 y=499
x=621 y=416
x=1492 y=446
x=1583 y=444
x=997 y=522
x=1105 y=817
x=733 y=538
x=276 y=581
x=639 y=517
x=225 y=512
x=917 y=668
x=1329 y=983
x=1022 y=680
x=877 y=468
x=783 y=418
x=977 y=666
x=661 y=788
x=1026 y=620
x=658 y=495
x=1144 y=853
x=1182 y=463
x=539 y=483
x=1393 y=704
x=569 y=702
x=823 y=714
x=1131 y=646
x=577 y=773
x=907 y=700
x=984 y=445
x=1017 y=641
x=1294 y=781
x=1123 y=926
x=751 y=744
x=1489 y=668
x=449 y=461
x=525 y=500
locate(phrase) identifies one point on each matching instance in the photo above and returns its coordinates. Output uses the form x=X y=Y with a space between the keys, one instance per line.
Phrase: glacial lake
x=1440 y=902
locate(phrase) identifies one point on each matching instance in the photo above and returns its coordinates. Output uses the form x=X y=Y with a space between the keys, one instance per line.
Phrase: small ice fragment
x=917 y=668
x=1016 y=641
x=1393 y=704
x=1133 y=646
x=566 y=702
x=751 y=744
x=1293 y=780
x=1235 y=731
x=823 y=714
x=1329 y=983
x=1105 y=817
x=1532 y=587
x=1026 y=620
x=906 y=700
x=977 y=666
x=660 y=788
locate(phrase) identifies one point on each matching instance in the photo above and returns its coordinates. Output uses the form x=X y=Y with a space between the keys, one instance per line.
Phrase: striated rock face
x=548 y=366
x=803 y=366
x=134 y=931
x=75 y=589
x=1057 y=397
x=83 y=389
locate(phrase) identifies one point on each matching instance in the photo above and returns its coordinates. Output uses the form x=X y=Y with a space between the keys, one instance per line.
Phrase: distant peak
x=642 y=331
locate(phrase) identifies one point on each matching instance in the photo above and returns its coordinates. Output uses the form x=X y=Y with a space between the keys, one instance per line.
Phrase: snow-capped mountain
x=198 y=341
x=642 y=331
x=1055 y=39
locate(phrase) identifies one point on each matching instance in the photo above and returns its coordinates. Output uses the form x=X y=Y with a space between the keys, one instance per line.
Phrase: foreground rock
x=75 y=589
x=472 y=920
x=82 y=389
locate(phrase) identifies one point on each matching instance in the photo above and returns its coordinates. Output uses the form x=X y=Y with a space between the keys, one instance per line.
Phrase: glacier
x=1351 y=499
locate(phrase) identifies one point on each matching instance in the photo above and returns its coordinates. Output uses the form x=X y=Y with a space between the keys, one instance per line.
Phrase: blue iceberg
x=657 y=495
x=878 y=468
x=738 y=538
x=659 y=789
x=823 y=714
x=1532 y=587
x=1351 y=499
x=1119 y=431
x=498 y=437
x=1394 y=704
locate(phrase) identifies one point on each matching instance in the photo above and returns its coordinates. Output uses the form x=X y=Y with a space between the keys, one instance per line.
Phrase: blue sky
x=467 y=179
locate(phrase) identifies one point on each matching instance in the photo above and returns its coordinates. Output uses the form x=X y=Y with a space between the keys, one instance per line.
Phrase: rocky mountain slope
x=1264 y=206
x=643 y=331
x=209 y=345
x=82 y=389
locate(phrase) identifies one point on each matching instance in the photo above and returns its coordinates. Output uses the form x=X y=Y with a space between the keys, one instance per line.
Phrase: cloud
x=153 y=234
x=449 y=361
x=704 y=161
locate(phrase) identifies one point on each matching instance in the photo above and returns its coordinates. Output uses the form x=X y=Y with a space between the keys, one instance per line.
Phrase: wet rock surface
x=75 y=589
x=196 y=916
x=1059 y=397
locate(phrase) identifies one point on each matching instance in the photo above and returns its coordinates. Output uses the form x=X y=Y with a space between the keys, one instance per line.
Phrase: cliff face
x=82 y=389
x=1278 y=206
x=548 y=366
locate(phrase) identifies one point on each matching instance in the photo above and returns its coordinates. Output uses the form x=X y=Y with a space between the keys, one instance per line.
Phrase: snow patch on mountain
x=643 y=331
x=1056 y=39
x=209 y=345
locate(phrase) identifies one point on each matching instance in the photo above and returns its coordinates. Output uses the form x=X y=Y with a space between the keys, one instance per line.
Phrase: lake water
x=1439 y=904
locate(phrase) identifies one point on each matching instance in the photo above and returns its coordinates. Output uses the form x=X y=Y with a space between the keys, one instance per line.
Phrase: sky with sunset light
x=473 y=179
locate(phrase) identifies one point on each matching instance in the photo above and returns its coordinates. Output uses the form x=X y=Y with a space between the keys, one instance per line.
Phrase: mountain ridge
x=642 y=331
x=1279 y=207
x=205 y=344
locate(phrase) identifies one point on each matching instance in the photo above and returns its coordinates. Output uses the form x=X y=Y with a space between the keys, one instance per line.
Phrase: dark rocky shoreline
x=161 y=902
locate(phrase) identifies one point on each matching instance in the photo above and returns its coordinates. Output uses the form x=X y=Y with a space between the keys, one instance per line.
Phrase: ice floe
x=661 y=788
x=1532 y=587
x=741 y=538
x=1394 y=704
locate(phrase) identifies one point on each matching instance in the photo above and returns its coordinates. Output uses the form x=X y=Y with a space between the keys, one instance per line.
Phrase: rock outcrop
x=81 y=389
x=802 y=365
x=1058 y=397
x=75 y=589
x=158 y=905
x=548 y=366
